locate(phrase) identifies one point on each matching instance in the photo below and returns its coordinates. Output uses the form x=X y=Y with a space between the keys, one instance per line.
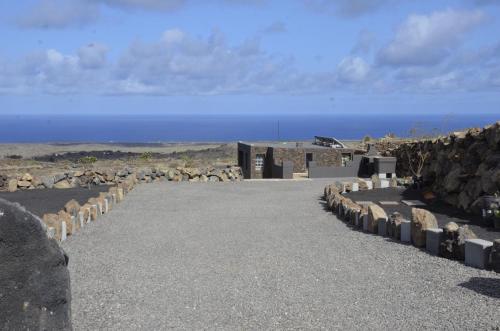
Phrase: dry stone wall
x=86 y=177
x=461 y=168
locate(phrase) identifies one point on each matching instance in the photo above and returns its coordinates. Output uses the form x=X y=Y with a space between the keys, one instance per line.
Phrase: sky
x=250 y=56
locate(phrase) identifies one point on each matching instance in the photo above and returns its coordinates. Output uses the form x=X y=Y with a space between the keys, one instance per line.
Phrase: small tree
x=417 y=155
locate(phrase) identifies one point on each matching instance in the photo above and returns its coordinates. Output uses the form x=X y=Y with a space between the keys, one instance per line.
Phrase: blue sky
x=250 y=56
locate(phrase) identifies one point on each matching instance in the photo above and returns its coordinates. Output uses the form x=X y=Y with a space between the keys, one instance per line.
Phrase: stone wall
x=85 y=177
x=460 y=168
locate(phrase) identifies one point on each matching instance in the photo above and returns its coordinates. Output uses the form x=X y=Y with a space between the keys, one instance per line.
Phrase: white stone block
x=365 y=222
x=101 y=208
x=433 y=240
x=114 y=198
x=355 y=187
x=81 y=219
x=63 y=231
x=405 y=231
x=382 y=175
x=384 y=183
x=51 y=232
x=88 y=218
x=477 y=253
x=106 y=206
x=73 y=224
x=97 y=211
x=369 y=183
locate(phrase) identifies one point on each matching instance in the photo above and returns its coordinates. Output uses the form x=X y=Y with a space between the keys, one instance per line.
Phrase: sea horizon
x=177 y=128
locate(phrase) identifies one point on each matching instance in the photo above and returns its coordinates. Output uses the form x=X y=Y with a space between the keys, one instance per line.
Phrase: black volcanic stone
x=35 y=291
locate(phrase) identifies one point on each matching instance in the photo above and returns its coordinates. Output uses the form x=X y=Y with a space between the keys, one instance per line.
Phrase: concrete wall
x=352 y=169
x=284 y=171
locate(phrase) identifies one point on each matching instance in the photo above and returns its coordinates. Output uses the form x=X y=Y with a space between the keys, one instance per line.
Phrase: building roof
x=287 y=144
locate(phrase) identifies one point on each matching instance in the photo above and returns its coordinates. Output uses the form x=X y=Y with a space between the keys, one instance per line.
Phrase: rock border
x=452 y=241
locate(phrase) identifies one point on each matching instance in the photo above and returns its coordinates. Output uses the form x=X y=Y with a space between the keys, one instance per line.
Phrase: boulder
x=394 y=225
x=421 y=220
x=452 y=181
x=34 y=277
x=52 y=220
x=72 y=207
x=48 y=181
x=375 y=214
x=63 y=184
x=27 y=177
x=12 y=185
x=451 y=227
x=23 y=184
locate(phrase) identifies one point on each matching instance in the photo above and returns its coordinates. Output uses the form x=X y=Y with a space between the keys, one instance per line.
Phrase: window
x=259 y=162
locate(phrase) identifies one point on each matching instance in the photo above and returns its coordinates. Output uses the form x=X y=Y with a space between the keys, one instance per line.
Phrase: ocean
x=220 y=128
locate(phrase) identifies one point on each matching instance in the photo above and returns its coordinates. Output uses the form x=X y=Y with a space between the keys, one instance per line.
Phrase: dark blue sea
x=217 y=128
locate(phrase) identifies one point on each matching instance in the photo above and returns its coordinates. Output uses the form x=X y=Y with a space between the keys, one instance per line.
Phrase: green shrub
x=87 y=160
x=146 y=156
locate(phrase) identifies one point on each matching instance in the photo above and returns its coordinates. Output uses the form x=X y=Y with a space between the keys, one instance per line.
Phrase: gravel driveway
x=261 y=255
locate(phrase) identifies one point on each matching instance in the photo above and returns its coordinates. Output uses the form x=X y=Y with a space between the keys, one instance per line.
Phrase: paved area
x=261 y=255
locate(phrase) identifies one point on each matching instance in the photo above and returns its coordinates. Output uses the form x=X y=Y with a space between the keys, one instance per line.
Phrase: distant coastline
x=147 y=130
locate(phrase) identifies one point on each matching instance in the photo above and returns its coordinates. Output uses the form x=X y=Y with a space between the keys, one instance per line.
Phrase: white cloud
x=353 y=69
x=93 y=56
x=428 y=39
x=347 y=8
x=56 y=14
x=162 y=5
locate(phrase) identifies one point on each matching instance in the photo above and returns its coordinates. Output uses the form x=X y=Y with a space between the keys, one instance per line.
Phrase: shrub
x=87 y=160
x=146 y=156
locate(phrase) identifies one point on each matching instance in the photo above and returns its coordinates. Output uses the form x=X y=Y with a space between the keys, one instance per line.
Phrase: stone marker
x=94 y=212
x=382 y=228
x=384 y=183
x=365 y=222
x=433 y=240
x=74 y=224
x=63 y=231
x=51 y=232
x=421 y=220
x=106 y=206
x=375 y=214
x=405 y=231
x=355 y=187
x=495 y=255
x=81 y=219
x=477 y=253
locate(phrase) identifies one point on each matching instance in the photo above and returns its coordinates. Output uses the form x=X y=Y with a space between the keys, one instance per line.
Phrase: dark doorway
x=309 y=158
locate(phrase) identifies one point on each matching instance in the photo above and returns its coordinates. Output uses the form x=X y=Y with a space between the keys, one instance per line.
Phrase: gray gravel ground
x=261 y=255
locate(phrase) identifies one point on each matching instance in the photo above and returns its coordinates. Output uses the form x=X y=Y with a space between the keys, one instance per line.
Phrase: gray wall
x=284 y=171
x=350 y=170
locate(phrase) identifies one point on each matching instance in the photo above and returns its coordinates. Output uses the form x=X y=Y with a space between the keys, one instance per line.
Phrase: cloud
x=346 y=8
x=93 y=56
x=176 y=64
x=429 y=39
x=155 y=5
x=365 y=42
x=48 y=14
x=353 y=70
x=275 y=27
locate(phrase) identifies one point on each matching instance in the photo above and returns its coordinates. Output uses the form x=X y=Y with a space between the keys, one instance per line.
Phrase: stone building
x=282 y=159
